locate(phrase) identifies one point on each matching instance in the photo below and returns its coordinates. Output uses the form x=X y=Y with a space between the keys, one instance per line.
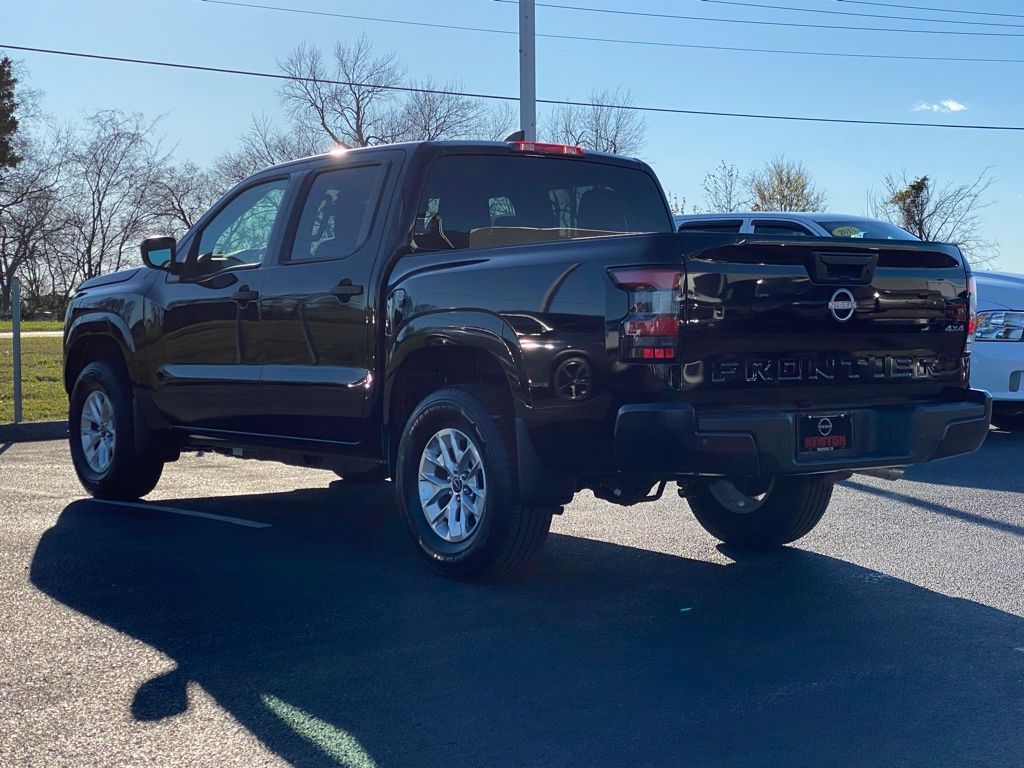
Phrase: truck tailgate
x=775 y=320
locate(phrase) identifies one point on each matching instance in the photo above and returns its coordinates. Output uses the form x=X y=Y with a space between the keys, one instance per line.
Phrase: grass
x=34 y=325
x=42 y=384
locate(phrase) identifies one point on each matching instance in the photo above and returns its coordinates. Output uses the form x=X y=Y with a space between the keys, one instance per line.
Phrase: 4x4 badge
x=842 y=305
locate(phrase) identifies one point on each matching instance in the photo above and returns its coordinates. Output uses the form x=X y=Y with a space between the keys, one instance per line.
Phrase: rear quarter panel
x=543 y=304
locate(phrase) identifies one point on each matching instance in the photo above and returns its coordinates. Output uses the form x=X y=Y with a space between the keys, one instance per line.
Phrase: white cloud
x=946 y=105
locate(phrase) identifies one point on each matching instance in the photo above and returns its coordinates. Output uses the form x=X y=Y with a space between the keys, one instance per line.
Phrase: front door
x=203 y=323
x=316 y=328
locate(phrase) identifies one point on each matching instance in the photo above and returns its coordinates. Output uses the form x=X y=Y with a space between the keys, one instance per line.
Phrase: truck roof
x=422 y=146
x=799 y=216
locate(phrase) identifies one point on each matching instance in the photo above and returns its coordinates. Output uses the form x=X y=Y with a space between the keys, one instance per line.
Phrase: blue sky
x=205 y=113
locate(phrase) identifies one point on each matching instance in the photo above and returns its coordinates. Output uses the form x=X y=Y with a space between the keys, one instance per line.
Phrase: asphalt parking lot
x=294 y=625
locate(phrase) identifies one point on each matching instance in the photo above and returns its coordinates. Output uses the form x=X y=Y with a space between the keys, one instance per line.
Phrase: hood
x=110 y=279
x=1000 y=290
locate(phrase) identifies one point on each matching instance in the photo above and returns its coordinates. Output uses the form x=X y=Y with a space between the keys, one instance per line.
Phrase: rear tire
x=474 y=526
x=760 y=514
x=102 y=436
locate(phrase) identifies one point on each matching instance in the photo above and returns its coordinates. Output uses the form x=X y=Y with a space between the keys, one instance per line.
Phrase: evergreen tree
x=8 y=122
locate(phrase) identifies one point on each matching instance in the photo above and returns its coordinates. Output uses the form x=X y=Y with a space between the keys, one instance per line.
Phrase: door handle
x=244 y=295
x=345 y=290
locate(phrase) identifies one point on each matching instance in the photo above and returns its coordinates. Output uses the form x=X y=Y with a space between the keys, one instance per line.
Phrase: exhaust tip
x=888 y=473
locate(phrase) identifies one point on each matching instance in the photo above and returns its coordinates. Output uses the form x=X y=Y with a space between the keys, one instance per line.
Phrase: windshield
x=865 y=228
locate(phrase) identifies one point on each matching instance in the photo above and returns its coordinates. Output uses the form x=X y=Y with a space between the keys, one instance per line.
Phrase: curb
x=32 y=431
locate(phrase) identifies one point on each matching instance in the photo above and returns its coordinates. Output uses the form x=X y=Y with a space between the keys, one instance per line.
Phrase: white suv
x=997 y=358
x=792 y=225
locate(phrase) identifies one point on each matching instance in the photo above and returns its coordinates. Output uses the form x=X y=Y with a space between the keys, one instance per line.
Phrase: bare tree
x=28 y=189
x=434 y=113
x=601 y=125
x=724 y=190
x=354 y=98
x=265 y=144
x=500 y=120
x=784 y=185
x=30 y=221
x=350 y=98
x=950 y=213
x=113 y=168
x=180 y=196
x=677 y=204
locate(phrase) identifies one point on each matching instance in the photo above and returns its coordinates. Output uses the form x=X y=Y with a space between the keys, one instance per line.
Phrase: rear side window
x=712 y=225
x=338 y=213
x=791 y=229
x=484 y=201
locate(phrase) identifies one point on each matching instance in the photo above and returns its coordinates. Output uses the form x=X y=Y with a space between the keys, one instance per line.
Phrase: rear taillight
x=972 y=312
x=972 y=308
x=650 y=331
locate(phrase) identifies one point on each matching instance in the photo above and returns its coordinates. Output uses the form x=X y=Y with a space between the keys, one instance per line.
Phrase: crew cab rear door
x=778 y=320
x=316 y=321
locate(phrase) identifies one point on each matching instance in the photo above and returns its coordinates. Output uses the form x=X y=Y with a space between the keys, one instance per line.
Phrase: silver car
x=792 y=225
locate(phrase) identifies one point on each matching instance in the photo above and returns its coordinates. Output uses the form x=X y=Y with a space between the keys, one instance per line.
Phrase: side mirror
x=159 y=253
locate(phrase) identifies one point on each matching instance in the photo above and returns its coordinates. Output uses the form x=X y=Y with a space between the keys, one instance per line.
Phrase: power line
x=497 y=97
x=801 y=25
x=620 y=41
x=930 y=8
x=861 y=14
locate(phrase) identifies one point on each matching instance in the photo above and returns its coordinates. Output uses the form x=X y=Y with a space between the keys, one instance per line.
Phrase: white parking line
x=187 y=513
x=33 y=334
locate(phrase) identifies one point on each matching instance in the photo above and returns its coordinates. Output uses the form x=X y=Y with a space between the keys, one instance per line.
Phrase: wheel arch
x=97 y=338
x=452 y=348
x=460 y=348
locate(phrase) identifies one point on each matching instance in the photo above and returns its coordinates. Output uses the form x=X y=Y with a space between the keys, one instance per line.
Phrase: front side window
x=338 y=213
x=239 y=234
x=488 y=201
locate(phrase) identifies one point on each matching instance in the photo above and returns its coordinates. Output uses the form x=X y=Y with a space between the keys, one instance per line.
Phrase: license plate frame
x=821 y=434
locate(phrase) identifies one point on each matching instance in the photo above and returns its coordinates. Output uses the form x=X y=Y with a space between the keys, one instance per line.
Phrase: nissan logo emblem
x=825 y=426
x=842 y=305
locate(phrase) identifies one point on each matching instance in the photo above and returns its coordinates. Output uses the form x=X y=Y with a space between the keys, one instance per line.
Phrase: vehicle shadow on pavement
x=328 y=639
x=996 y=466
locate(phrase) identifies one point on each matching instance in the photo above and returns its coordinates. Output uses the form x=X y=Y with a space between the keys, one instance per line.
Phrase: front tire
x=456 y=485
x=102 y=436
x=760 y=513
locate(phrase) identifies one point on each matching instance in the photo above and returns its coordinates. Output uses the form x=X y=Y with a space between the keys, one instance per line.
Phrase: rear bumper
x=676 y=439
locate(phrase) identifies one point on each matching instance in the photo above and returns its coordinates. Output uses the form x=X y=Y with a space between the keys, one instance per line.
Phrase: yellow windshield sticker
x=845 y=231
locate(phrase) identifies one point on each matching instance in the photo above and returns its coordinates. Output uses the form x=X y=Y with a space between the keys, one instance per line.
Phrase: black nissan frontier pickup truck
x=496 y=326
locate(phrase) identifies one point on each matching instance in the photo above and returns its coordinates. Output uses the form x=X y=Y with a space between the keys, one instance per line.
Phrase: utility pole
x=16 y=340
x=527 y=70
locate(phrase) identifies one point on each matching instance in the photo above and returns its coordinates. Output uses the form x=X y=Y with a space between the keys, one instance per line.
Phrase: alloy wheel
x=452 y=485
x=98 y=433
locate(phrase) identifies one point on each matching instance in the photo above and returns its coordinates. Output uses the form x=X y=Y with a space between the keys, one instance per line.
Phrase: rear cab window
x=490 y=201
